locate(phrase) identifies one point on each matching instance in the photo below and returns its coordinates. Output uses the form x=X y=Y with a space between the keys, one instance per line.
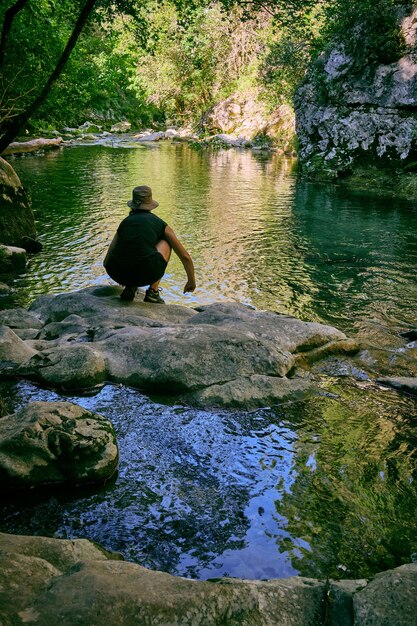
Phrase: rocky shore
x=77 y=583
x=223 y=354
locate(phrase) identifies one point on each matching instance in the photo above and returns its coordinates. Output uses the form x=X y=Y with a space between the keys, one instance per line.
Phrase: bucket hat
x=142 y=199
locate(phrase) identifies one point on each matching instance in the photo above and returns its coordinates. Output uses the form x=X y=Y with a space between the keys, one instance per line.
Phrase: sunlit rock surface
x=55 y=442
x=224 y=354
x=50 y=581
x=349 y=110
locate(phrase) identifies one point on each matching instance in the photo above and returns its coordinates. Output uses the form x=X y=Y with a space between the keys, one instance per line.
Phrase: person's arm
x=110 y=250
x=184 y=257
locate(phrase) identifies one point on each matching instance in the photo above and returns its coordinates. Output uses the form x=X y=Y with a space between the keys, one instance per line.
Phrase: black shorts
x=139 y=274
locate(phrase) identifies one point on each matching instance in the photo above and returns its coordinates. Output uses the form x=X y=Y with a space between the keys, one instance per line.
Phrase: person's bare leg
x=163 y=248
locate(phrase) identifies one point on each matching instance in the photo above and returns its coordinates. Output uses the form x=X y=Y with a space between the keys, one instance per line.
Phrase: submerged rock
x=55 y=442
x=225 y=354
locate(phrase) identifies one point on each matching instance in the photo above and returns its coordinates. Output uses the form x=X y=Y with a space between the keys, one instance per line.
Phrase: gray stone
x=225 y=354
x=55 y=442
x=121 y=127
x=252 y=392
x=19 y=318
x=13 y=351
x=390 y=599
x=402 y=383
x=145 y=137
x=16 y=216
x=51 y=581
x=89 y=127
x=12 y=258
x=71 y=366
x=241 y=118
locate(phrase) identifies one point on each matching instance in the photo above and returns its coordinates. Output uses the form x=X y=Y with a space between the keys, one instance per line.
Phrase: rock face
x=223 y=354
x=55 y=442
x=74 y=583
x=16 y=217
x=244 y=116
x=346 y=114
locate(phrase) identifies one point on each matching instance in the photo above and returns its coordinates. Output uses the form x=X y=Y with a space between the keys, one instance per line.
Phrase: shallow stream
x=321 y=487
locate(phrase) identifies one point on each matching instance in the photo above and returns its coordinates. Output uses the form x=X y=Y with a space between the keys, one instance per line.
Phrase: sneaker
x=153 y=295
x=128 y=293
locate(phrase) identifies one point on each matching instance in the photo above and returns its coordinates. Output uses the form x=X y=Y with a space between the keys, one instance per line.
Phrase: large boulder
x=225 y=353
x=55 y=442
x=389 y=599
x=351 y=111
x=75 y=582
x=16 y=216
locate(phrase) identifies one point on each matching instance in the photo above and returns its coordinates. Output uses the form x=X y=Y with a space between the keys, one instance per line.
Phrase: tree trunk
x=9 y=16
x=20 y=120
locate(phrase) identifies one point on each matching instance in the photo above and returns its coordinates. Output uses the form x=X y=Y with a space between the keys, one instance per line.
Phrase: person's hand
x=190 y=286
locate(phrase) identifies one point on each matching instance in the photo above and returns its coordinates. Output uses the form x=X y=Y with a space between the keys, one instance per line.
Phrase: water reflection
x=323 y=488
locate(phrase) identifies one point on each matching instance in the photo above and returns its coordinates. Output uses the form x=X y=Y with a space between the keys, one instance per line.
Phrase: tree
x=13 y=121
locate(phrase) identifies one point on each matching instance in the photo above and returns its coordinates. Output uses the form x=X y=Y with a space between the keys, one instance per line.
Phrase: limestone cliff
x=350 y=111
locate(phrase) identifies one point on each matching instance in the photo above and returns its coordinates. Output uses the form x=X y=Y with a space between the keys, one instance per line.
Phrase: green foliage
x=369 y=29
x=146 y=60
x=190 y=64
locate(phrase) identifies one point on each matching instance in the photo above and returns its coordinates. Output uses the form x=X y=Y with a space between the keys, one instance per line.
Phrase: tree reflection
x=354 y=492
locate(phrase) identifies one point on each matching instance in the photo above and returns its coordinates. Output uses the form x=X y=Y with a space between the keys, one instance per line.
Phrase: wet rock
x=253 y=392
x=75 y=585
x=224 y=353
x=16 y=216
x=55 y=442
x=389 y=599
x=31 y=245
x=13 y=351
x=401 y=383
x=12 y=258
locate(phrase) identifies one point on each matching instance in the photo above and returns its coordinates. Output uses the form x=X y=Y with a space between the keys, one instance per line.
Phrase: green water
x=322 y=487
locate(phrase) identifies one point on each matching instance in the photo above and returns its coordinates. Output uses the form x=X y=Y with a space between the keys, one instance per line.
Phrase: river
x=324 y=487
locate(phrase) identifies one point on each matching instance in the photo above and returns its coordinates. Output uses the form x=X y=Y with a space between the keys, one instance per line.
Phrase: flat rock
x=55 y=442
x=252 y=392
x=53 y=581
x=77 y=583
x=225 y=354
